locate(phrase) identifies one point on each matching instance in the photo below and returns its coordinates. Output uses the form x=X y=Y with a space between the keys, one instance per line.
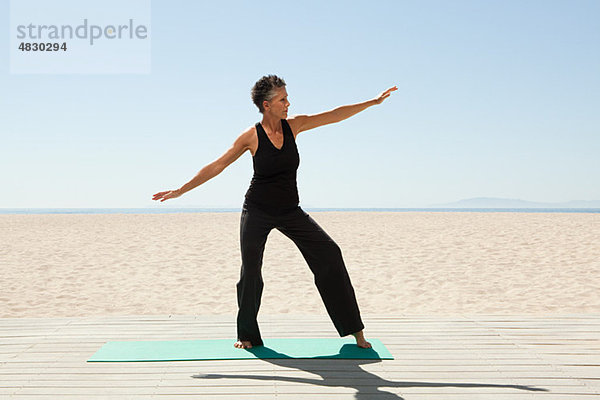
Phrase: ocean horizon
x=310 y=209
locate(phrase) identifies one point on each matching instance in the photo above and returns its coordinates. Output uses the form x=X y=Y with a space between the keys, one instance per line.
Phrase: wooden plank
x=437 y=357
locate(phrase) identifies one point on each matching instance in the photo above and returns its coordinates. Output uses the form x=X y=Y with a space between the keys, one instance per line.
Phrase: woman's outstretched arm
x=213 y=169
x=300 y=123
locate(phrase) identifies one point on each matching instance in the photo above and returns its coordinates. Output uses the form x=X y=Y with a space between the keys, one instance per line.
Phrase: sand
x=400 y=263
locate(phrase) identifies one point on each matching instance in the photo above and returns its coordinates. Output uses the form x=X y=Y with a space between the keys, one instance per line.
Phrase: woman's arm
x=213 y=169
x=300 y=123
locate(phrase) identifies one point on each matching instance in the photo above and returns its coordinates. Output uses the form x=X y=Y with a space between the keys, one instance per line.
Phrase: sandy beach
x=400 y=263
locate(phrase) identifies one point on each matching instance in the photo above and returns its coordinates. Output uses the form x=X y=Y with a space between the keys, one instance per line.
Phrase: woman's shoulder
x=250 y=131
x=249 y=138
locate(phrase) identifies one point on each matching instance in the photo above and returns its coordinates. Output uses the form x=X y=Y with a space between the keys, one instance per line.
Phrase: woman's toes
x=242 y=344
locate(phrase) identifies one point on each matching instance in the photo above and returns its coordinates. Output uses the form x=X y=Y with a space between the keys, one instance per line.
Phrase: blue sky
x=495 y=99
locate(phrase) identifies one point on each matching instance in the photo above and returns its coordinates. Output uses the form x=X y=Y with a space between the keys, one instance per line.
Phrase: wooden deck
x=466 y=357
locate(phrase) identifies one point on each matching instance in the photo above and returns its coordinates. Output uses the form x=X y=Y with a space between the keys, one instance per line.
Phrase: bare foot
x=243 y=344
x=360 y=340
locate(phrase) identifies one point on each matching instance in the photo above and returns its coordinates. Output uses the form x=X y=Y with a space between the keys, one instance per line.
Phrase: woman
x=272 y=202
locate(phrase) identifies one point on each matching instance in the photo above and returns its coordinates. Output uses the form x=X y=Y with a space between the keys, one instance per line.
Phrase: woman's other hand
x=169 y=194
x=384 y=95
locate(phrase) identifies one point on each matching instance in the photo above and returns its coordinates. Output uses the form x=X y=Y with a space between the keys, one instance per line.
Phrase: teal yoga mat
x=222 y=349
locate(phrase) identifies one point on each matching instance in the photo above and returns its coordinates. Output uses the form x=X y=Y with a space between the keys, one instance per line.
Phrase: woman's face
x=278 y=105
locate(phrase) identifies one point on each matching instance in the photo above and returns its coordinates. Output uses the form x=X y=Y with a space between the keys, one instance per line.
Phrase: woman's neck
x=271 y=124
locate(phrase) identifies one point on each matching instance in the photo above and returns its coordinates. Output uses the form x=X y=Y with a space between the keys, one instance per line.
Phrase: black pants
x=322 y=254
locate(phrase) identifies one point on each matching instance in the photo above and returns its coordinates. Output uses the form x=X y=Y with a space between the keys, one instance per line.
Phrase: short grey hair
x=264 y=89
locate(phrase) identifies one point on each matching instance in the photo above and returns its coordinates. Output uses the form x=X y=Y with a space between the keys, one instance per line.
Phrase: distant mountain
x=493 y=202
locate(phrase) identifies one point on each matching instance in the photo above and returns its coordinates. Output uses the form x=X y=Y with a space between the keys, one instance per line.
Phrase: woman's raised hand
x=384 y=95
x=169 y=194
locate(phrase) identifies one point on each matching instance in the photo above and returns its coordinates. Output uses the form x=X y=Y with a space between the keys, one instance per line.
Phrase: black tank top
x=273 y=187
